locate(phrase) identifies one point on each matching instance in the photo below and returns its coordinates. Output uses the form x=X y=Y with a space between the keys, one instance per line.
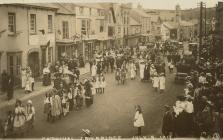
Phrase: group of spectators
x=19 y=121
x=198 y=112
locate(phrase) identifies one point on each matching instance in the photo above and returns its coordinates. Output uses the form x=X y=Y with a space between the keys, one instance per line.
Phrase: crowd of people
x=19 y=121
x=198 y=112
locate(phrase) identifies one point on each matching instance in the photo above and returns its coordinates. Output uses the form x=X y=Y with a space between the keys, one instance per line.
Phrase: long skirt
x=71 y=104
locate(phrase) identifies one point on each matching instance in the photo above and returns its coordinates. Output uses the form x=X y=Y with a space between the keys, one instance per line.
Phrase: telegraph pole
x=205 y=22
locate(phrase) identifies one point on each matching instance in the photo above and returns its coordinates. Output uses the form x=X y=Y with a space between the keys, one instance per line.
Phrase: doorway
x=33 y=62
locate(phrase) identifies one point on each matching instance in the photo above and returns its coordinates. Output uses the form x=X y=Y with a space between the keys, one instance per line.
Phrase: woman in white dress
x=94 y=70
x=19 y=119
x=141 y=69
x=23 y=77
x=132 y=71
x=138 y=120
x=162 y=82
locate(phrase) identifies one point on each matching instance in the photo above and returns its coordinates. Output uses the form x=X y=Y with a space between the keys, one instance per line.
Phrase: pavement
x=112 y=112
x=38 y=90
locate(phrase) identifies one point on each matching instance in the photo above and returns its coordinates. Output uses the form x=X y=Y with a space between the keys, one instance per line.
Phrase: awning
x=61 y=42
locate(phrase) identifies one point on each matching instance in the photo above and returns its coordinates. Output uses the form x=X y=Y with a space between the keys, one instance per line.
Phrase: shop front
x=89 y=47
x=67 y=49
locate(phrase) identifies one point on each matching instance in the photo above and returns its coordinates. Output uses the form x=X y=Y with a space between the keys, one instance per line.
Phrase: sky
x=150 y=4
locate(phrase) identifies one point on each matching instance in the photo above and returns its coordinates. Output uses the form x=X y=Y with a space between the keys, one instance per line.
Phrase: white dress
x=132 y=70
x=155 y=82
x=103 y=84
x=97 y=83
x=141 y=68
x=28 y=84
x=23 y=74
x=139 y=121
x=93 y=70
x=162 y=82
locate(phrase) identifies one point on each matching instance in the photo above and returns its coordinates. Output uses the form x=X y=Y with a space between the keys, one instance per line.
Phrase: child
x=155 y=81
x=170 y=65
x=8 y=125
x=28 y=86
x=103 y=84
x=97 y=84
x=32 y=81
x=65 y=107
x=47 y=106
x=30 y=115
x=79 y=100
x=93 y=86
x=70 y=99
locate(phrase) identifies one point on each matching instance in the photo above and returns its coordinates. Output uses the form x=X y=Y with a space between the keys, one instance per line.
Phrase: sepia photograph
x=111 y=69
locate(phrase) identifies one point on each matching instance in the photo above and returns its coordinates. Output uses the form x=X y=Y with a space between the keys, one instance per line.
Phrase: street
x=112 y=113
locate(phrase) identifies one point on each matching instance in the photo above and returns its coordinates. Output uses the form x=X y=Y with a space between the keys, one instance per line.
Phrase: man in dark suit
x=4 y=81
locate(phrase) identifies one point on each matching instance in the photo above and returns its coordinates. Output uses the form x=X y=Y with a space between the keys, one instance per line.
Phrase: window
x=14 y=63
x=110 y=31
x=101 y=25
x=32 y=23
x=65 y=30
x=81 y=10
x=83 y=27
x=50 y=23
x=109 y=18
x=99 y=12
x=119 y=30
x=11 y=22
x=89 y=11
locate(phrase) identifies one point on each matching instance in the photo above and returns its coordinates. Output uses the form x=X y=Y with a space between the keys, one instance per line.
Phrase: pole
x=201 y=25
x=205 y=23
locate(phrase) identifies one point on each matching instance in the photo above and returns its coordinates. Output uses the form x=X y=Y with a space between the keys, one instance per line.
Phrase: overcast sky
x=151 y=4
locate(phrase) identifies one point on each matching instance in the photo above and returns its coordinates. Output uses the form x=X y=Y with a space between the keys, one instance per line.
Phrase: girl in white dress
x=103 y=84
x=138 y=120
x=97 y=84
x=155 y=82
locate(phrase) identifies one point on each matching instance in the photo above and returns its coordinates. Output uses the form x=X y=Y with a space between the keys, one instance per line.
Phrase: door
x=43 y=57
x=33 y=62
x=14 y=65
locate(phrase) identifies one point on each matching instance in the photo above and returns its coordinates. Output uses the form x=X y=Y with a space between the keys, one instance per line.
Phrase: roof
x=133 y=22
x=170 y=25
x=186 y=23
x=89 y=5
x=140 y=12
x=47 y=6
x=64 y=8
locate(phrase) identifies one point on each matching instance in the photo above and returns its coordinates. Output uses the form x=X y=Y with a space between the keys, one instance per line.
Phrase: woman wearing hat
x=19 y=119
x=30 y=115
x=46 y=76
x=162 y=82
x=141 y=69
